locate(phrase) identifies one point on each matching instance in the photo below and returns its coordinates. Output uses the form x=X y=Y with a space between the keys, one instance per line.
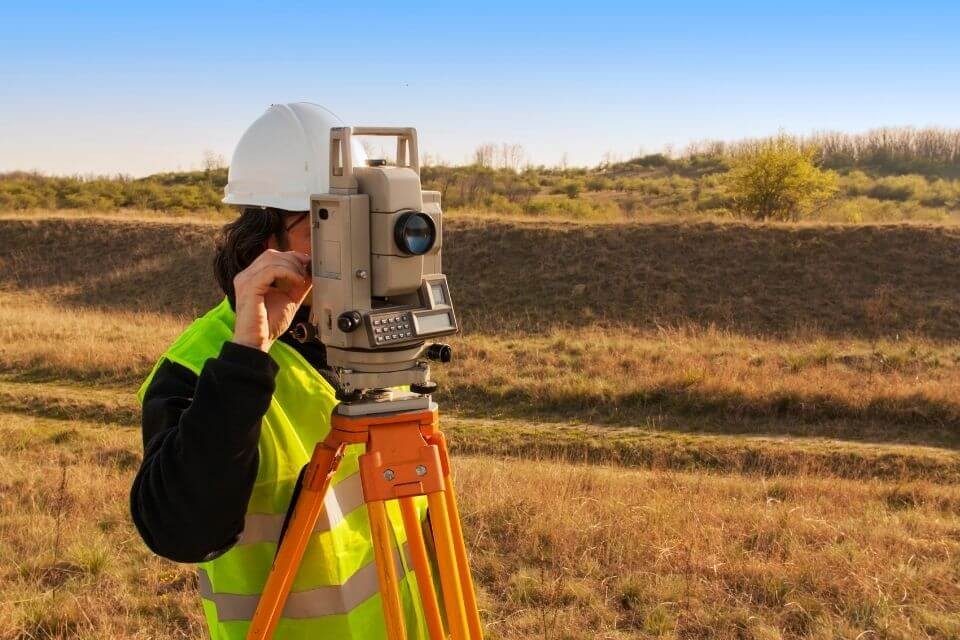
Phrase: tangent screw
x=389 y=474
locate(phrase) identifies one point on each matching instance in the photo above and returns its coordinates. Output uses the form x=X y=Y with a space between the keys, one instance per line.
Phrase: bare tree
x=513 y=156
x=212 y=161
x=377 y=150
x=609 y=159
x=483 y=155
x=431 y=160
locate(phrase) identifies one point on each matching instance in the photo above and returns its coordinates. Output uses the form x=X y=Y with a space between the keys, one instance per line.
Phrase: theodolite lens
x=415 y=233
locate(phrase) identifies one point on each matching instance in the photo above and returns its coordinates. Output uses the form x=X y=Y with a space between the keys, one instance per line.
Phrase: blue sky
x=140 y=87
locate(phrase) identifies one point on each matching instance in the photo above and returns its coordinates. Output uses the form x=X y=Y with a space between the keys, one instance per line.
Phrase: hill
x=760 y=280
x=892 y=174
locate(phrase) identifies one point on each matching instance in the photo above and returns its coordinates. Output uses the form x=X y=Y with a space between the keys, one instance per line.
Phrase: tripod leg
x=460 y=549
x=309 y=506
x=447 y=562
x=386 y=570
x=463 y=562
x=421 y=565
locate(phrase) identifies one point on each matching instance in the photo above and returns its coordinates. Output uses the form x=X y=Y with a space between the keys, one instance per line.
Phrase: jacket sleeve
x=200 y=436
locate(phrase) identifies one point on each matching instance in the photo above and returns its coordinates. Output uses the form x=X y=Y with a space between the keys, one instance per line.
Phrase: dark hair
x=241 y=241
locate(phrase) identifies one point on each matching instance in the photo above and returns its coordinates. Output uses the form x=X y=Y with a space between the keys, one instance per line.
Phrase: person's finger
x=295 y=292
x=262 y=259
x=271 y=256
x=281 y=276
x=306 y=260
x=284 y=260
x=289 y=257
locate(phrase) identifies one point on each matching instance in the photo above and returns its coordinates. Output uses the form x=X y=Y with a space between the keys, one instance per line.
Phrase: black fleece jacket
x=200 y=458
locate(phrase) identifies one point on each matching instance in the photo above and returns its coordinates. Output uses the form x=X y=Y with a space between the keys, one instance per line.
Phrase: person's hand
x=268 y=294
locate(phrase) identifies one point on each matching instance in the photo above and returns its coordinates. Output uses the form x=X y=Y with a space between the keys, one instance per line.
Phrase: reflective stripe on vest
x=313 y=603
x=342 y=499
x=337 y=578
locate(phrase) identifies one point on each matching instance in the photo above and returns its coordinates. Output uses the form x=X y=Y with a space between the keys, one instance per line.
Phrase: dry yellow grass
x=40 y=339
x=71 y=565
x=561 y=551
x=675 y=380
x=904 y=390
x=763 y=487
x=583 y=552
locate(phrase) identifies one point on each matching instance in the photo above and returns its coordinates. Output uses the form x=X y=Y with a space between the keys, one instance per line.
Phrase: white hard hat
x=284 y=157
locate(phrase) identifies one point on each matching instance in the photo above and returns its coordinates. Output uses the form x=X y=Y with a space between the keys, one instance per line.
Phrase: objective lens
x=415 y=233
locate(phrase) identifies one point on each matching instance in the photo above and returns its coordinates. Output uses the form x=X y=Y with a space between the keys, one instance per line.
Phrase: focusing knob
x=349 y=321
x=440 y=352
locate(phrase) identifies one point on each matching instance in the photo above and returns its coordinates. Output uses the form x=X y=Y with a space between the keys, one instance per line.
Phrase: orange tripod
x=406 y=456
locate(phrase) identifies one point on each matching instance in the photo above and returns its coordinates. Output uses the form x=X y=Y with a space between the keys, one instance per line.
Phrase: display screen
x=431 y=324
x=436 y=292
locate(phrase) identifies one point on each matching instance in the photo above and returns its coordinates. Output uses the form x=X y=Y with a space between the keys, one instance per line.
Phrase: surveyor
x=234 y=407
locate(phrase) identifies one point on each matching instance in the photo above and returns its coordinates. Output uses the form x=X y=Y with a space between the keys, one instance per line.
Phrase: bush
x=190 y=191
x=776 y=180
x=864 y=209
x=856 y=183
x=572 y=208
x=569 y=188
x=899 y=188
x=652 y=160
x=630 y=204
x=940 y=193
x=499 y=204
x=599 y=183
x=651 y=186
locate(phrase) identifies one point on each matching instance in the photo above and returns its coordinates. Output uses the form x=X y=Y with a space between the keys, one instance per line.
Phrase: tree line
x=885 y=174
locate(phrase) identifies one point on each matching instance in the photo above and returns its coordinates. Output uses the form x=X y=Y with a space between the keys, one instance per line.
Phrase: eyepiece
x=303 y=332
x=415 y=233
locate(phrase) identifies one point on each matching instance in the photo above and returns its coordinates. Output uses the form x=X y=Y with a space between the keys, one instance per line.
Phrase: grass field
x=560 y=550
x=675 y=463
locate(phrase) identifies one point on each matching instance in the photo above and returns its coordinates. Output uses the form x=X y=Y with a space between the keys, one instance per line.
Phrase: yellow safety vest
x=335 y=594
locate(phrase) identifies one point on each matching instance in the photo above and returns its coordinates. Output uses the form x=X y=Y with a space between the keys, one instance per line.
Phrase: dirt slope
x=771 y=280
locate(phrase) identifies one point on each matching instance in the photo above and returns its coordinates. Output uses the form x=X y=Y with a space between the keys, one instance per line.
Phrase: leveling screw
x=389 y=474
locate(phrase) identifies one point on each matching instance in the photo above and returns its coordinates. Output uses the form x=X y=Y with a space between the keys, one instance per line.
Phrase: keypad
x=390 y=328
